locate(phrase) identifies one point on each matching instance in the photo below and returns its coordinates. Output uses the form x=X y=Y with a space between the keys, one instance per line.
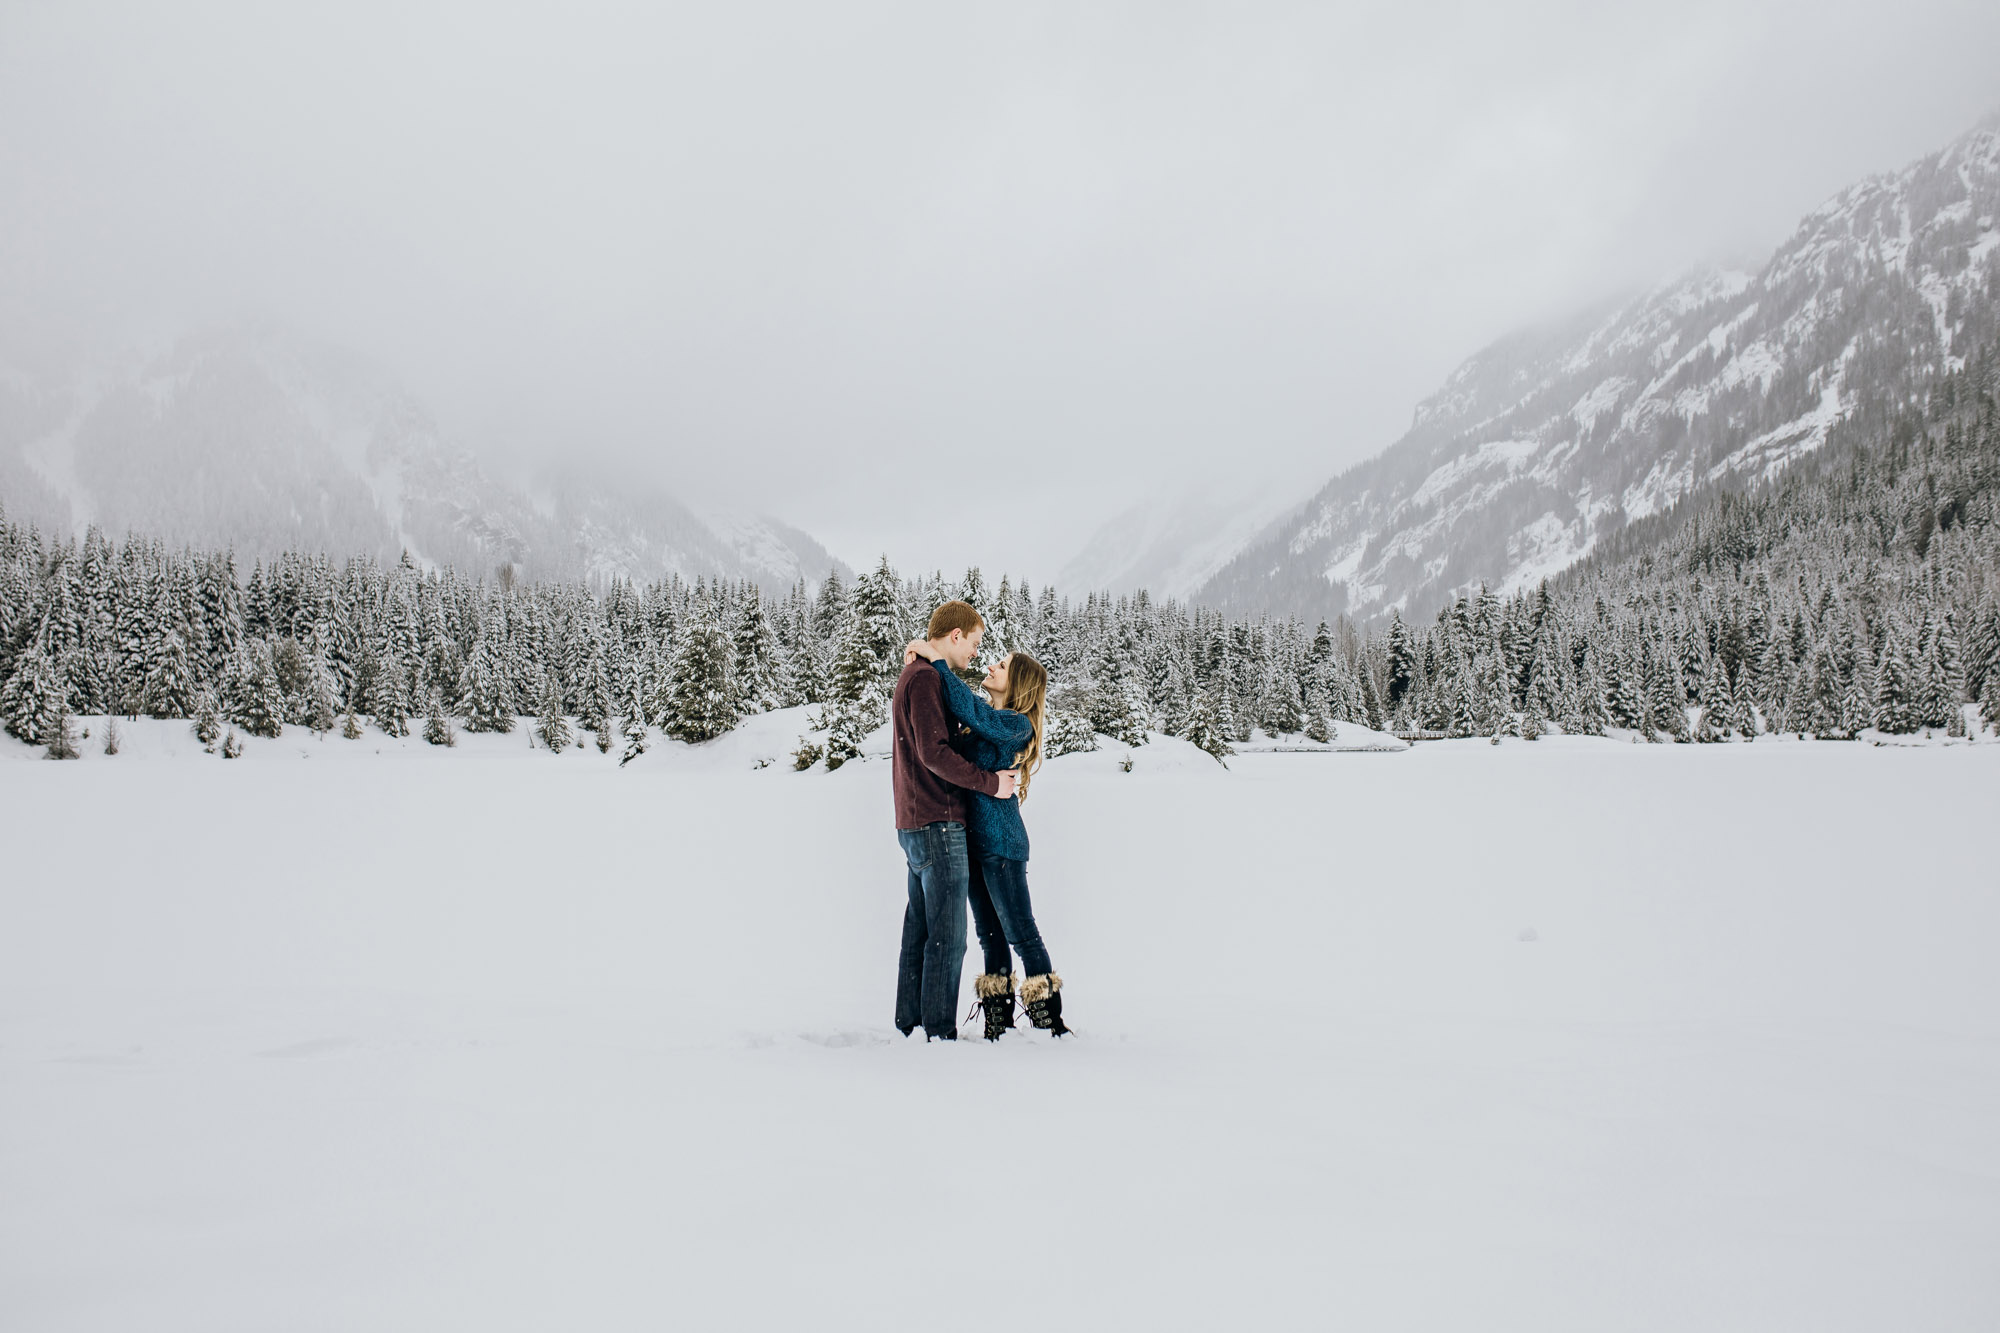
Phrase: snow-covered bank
x=499 y=1039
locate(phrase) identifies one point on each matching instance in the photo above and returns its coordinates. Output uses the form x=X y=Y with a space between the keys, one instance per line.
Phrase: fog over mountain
x=847 y=264
x=1550 y=439
x=259 y=438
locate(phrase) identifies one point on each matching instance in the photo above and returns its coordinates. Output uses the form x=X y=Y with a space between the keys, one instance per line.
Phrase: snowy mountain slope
x=1543 y=443
x=268 y=441
x=1171 y=545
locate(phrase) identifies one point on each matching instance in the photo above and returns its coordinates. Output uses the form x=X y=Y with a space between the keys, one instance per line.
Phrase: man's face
x=960 y=648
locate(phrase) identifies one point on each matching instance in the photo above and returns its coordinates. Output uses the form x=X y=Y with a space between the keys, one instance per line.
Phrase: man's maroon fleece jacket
x=929 y=776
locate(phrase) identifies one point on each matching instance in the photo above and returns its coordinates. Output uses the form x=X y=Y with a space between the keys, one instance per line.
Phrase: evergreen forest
x=1858 y=591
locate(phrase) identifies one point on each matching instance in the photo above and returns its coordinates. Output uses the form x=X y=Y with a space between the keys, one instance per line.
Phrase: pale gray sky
x=848 y=262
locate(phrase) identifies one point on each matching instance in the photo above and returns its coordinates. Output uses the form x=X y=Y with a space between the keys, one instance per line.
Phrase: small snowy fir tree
x=231 y=747
x=320 y=698
x=1068 y=733
x=350 y=727
x=253 y=697
x=33 y=695
x=1714 y=722
x=389 y=696
x=112 y=737
x=438 y=729
x=1117 y=700
x=601 y=733
x=207 y=720
x=485 y=696
x=1284 y=711
x=1204 y=727
x=169 y=685
x=62 y=736
x=701 y=702
x=1895 y=710
x=1318 y=728
x=634 y=732
x=552 y=727
x=756 y=673
x=1371 y=702
x=865 y=668
x=594 y=699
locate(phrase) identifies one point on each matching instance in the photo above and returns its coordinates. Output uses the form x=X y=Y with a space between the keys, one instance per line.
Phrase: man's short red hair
x=954 y=615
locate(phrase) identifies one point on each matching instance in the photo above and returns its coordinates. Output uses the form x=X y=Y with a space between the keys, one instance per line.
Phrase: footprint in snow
x=837 y=1040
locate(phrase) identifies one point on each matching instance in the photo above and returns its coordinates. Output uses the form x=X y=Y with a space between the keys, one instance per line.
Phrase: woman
x=1003 y=731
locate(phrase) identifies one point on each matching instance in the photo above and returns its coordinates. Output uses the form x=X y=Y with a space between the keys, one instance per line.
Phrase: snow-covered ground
x=1570 y=1035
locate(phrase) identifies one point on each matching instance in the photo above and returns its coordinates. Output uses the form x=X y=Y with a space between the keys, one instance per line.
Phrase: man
x=930 y=781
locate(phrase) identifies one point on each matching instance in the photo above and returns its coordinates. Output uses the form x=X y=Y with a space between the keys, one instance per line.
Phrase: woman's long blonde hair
x=1027 y=694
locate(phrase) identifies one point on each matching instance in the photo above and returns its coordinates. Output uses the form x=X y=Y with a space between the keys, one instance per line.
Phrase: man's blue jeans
x=933 y=929
x=1004 y=916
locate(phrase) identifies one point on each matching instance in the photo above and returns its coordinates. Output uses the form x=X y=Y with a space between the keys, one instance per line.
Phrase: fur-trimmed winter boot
x=1042 y=997
x=996 y=997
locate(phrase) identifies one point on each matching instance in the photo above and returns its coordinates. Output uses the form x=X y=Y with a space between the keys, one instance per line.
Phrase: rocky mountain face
x=267 y=442
x=1546 y=442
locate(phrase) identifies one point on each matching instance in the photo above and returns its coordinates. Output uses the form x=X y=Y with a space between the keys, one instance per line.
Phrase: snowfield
x=1565 y=1035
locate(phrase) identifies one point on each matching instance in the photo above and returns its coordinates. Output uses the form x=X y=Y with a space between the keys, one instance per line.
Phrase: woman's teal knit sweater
x=993 y=738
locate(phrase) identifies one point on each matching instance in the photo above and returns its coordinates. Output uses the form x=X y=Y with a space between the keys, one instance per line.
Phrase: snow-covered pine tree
x=1714 y=700
x=33 y=696
x=1945 y=673
x=389 y=695
x=1117 y=704
x=594 y=696
x=1205 y=729
x=1283 y=712
x=865 y=668
x=702 y=701
x=552 y=727
x=1370 y=705
x=634 y=730
x=1318 y=727
x=62 y=734
x=1895 y=705
x=252 y=697
x=207 y=719
x=438 y=728
x=169 y=681
x=321 y=696
x=1068 y=733
x=756 y=668
x=486 y=692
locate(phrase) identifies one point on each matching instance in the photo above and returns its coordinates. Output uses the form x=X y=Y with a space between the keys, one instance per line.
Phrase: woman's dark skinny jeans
x=1000 y=909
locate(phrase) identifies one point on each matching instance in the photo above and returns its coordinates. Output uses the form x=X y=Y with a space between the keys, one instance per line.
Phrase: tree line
x=1859 y=590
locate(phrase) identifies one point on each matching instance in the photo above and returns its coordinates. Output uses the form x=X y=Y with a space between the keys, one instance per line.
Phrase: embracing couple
x=962 y=767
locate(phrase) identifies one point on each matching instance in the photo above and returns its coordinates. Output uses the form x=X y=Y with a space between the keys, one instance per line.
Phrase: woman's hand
x=916 y=648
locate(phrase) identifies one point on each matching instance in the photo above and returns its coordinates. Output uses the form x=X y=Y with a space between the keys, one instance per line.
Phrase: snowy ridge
x=255 y=438
x=1170 y=546
x=1542 y=444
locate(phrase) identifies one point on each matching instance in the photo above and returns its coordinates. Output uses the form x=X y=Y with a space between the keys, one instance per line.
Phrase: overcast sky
x=953 y=281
